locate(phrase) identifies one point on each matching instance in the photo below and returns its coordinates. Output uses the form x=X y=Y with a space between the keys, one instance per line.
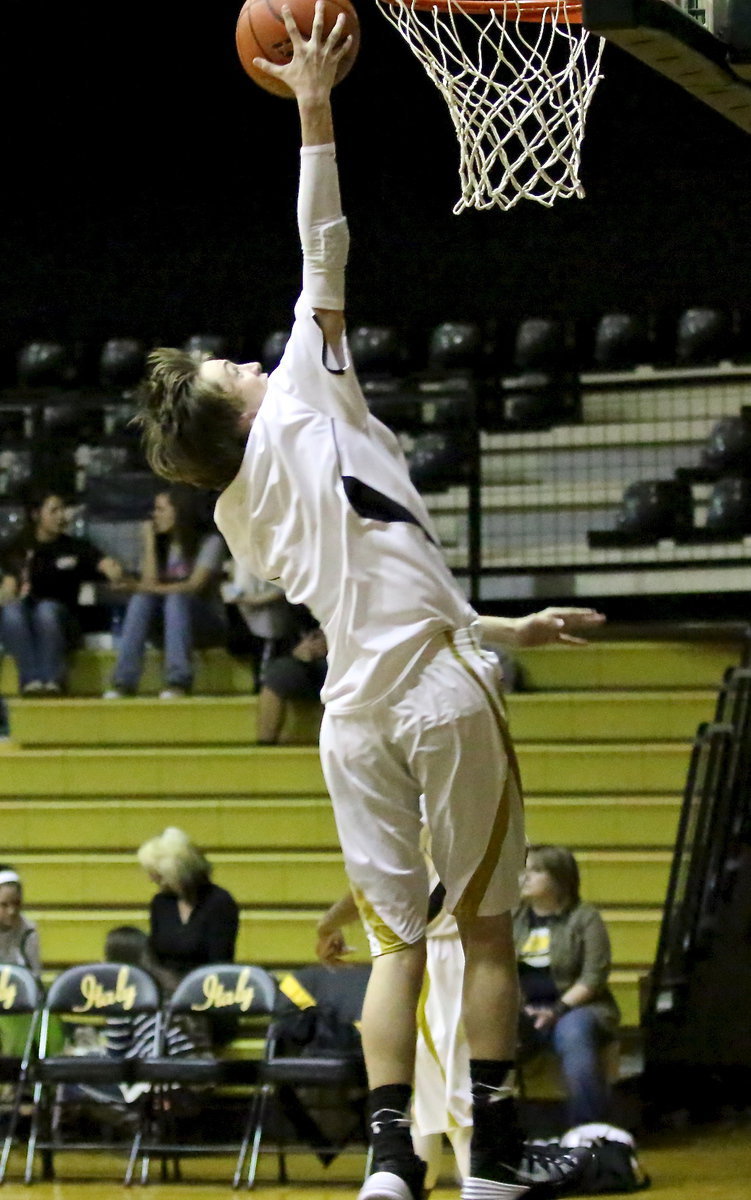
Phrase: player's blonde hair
x=190 y=428
x=179 y=865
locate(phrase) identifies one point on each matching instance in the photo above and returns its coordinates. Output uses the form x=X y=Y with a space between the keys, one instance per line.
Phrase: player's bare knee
x=488 y=934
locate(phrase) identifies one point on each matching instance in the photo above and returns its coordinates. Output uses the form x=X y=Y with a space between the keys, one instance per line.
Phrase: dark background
x=149 y=190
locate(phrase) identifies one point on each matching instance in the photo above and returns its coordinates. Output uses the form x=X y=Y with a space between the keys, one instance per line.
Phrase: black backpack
x=613 y=1167
x=317 y=1032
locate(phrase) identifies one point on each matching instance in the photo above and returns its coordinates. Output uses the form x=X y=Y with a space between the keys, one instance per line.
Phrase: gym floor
x=710 y=1163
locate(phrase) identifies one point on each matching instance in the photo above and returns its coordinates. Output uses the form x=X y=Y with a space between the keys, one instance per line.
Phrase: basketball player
x=316 y=497
x=442 y=1102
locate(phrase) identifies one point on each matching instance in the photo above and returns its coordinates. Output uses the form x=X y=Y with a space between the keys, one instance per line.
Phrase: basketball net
x=518 y=79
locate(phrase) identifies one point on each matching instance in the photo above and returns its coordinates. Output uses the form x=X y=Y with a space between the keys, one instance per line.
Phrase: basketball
x=261 y=33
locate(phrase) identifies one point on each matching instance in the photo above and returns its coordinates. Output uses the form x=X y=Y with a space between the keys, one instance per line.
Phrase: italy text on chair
x=20 y=1005
x=87 y=1080
x=245 y=993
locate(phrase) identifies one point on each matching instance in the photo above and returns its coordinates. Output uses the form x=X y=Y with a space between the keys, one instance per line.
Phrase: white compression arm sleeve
x=323 y=229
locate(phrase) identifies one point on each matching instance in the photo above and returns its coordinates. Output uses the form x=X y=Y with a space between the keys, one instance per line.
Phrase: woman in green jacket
x=563 y=952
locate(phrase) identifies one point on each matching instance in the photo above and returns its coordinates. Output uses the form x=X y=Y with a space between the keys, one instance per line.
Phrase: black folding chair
x=247 y=993
x=314 y=1068
x=21 y=997
x=84 y=995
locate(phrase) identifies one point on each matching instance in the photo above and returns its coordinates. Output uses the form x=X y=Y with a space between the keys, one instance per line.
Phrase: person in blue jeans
x=41 y=572
x=563 y=954
x=177 y=596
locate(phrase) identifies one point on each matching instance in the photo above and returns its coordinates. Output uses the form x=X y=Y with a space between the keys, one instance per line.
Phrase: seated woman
x=127 y=1037
x=41 y=571
x=19 y=938
x=273 y=624
x=177 y=595
x=563 y=951
x=19 y=944
x=299 y=675
x=193 y=922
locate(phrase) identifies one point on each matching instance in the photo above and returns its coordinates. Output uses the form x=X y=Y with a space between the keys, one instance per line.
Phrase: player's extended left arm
x=540 y=628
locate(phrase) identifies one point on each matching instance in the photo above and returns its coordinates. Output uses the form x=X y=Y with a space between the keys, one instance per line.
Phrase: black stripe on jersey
x=324 y=364
x=372 y=505
x=435 y=902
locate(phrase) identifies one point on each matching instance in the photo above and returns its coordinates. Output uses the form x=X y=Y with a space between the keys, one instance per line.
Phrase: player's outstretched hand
x=557 y=625
x=312 y=70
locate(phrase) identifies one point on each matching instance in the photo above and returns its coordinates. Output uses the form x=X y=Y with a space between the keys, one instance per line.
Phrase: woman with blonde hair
x=193 y=922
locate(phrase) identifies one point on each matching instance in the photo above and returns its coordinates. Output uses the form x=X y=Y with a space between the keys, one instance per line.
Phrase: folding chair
x=84 y=995
x=320 y=1090
x=248 y=993
x=20 y=996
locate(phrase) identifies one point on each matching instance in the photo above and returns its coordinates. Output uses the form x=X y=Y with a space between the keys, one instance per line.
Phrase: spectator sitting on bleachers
x=132 y=1037
x=178 y=595
x=19 y=938
x=193 y=922
x=128 y=1037
x=299 y=675
x=563 y=951
x=19 y=944
x=41 y=572
x=268 y=615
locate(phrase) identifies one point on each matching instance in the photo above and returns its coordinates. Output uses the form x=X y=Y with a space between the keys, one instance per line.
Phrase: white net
x=518 y=80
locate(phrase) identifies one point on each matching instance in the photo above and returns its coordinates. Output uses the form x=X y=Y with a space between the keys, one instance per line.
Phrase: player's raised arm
x=323 y=229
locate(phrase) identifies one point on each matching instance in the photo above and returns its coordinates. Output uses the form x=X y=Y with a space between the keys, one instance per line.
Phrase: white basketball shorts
x=442 y=732
x=443 y=1097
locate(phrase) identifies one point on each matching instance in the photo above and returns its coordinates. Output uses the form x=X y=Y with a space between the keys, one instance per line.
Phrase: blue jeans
x=577 y=1039
x=185 y=620
x=37 y=634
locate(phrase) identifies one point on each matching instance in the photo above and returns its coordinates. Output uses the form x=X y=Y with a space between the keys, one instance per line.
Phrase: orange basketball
x=261 y=33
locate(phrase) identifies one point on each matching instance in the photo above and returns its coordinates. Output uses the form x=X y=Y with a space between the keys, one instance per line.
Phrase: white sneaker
x=488 y=1189
x=384 y=1185
x=113 y=694
x=543 y=1171
x=173 y=693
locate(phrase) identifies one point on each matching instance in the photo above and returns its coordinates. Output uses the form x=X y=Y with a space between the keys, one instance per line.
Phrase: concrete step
x=216 y=824
x=218 y=721
x=216 y=673
x=149 y=721
x=601 y=664
x=303 y=822
x=281 y=878
x=628 y=664
x=186 y=771
x=580 y=769
x=604 y=820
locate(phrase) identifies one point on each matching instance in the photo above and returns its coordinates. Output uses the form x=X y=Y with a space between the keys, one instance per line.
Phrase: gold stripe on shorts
x=423 y=1026
x=471 y=898
x=388 y=941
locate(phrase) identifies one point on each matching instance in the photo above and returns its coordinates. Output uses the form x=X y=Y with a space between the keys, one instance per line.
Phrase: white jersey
x=323 y=505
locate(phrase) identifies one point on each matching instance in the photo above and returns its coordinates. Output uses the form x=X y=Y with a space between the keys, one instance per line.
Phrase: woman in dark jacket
x=563 y=951
x=193 y=922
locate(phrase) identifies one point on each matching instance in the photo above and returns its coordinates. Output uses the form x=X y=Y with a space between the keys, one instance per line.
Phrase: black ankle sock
x=497 y=1139
x=389 y=1119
